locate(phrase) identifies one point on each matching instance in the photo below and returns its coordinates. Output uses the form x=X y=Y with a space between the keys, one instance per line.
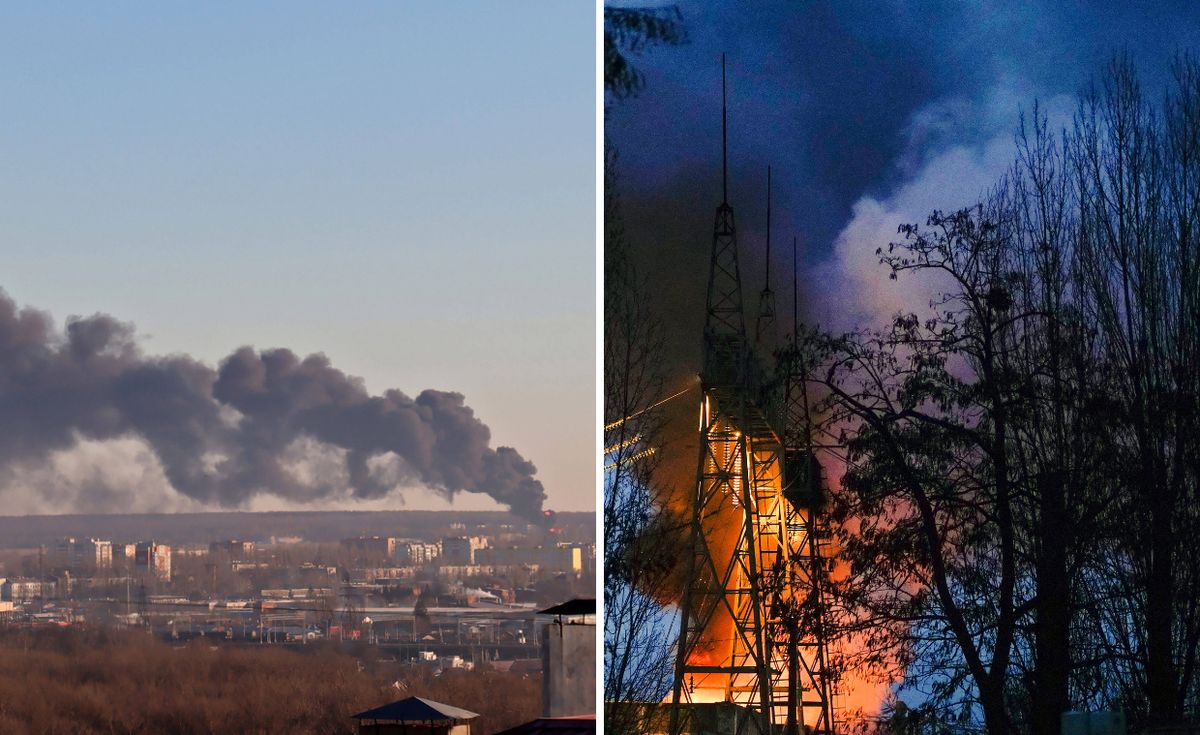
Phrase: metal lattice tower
x=805 y=575
x=746 y=599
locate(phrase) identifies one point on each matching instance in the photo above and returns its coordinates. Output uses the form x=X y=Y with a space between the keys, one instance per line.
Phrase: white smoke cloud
x=956 y=152
x=316 y=469
x=92 y=476
x=96 y=476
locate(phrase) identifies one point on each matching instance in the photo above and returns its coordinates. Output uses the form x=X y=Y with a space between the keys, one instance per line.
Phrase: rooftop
x=578 y=606
x=578 y=725
x=416 y=709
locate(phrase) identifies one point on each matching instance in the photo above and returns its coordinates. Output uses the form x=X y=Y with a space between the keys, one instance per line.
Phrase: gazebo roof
x=416 y=709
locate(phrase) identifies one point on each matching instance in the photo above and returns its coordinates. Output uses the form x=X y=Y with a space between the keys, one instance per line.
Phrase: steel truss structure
x=751 y=630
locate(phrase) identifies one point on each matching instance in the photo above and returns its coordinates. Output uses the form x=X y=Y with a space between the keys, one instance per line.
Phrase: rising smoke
x=262 y=423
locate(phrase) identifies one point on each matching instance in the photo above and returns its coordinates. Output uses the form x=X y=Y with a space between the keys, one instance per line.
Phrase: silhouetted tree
x=1020 y=500
x=637 y=637
x=627 y=31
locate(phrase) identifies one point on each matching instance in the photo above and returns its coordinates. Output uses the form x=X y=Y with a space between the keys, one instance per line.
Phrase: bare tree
x=628 y=31
x=1022 y=465
x=637 y=640
x=1136 y=171
x=638 y=637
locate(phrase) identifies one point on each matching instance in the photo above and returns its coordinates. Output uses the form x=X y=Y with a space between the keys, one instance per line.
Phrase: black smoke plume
x=226 y=436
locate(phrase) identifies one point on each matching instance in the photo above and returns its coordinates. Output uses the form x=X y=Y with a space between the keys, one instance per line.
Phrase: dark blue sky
x=826 y=91
x=851 y=103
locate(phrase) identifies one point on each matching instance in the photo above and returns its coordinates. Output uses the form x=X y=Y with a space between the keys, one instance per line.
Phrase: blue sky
x=406 y=187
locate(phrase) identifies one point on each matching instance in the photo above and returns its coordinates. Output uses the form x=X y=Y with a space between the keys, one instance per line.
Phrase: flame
x=859 y=693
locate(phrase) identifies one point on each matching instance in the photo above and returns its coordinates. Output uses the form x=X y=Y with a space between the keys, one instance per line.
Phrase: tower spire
x=795 y=291
x=724 y=151
x=725 y=327
x=754 y=578
x=768 y=228
x=764 y=325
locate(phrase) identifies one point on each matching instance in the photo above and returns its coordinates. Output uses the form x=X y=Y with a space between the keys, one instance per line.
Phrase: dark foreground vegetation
x=1022 y=496
x=84 y=681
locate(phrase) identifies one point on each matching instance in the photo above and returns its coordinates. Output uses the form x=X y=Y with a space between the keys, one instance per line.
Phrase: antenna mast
x=795 y=292
x=764 y=326
x=724 y=149
x=726 y=646
x=754 y=562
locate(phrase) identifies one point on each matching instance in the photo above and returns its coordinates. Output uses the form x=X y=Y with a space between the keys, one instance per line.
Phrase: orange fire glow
x=857 y=692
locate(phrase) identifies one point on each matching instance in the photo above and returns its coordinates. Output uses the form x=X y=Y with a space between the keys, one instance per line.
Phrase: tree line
x=1020 y=507
x=99 y=680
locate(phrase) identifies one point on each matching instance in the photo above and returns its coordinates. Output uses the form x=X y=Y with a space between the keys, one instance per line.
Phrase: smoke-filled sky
x=407 y=188
x=870 y=112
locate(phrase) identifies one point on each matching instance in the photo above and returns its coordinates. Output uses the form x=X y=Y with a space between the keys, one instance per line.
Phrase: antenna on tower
x=768 y=228
x=764 y=326
x=743 y=470
x=724 y=151
x=725 y=328
x=795 y=291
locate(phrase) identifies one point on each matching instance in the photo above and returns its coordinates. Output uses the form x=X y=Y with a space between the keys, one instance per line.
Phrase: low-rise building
x=374 y=574
x=154 y=558
x=296 y=593
x=417 y=552
x=372 y=546
x=554 y=558
x=26 y=590
x=234 y=549
x=460 y=550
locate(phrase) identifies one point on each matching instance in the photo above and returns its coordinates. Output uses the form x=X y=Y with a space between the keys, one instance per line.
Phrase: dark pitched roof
x=578 y=606
x=579 y=725
x=415 y=709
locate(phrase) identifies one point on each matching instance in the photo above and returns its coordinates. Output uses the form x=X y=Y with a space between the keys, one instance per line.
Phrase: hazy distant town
x=211 y=622
x=438 y=588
